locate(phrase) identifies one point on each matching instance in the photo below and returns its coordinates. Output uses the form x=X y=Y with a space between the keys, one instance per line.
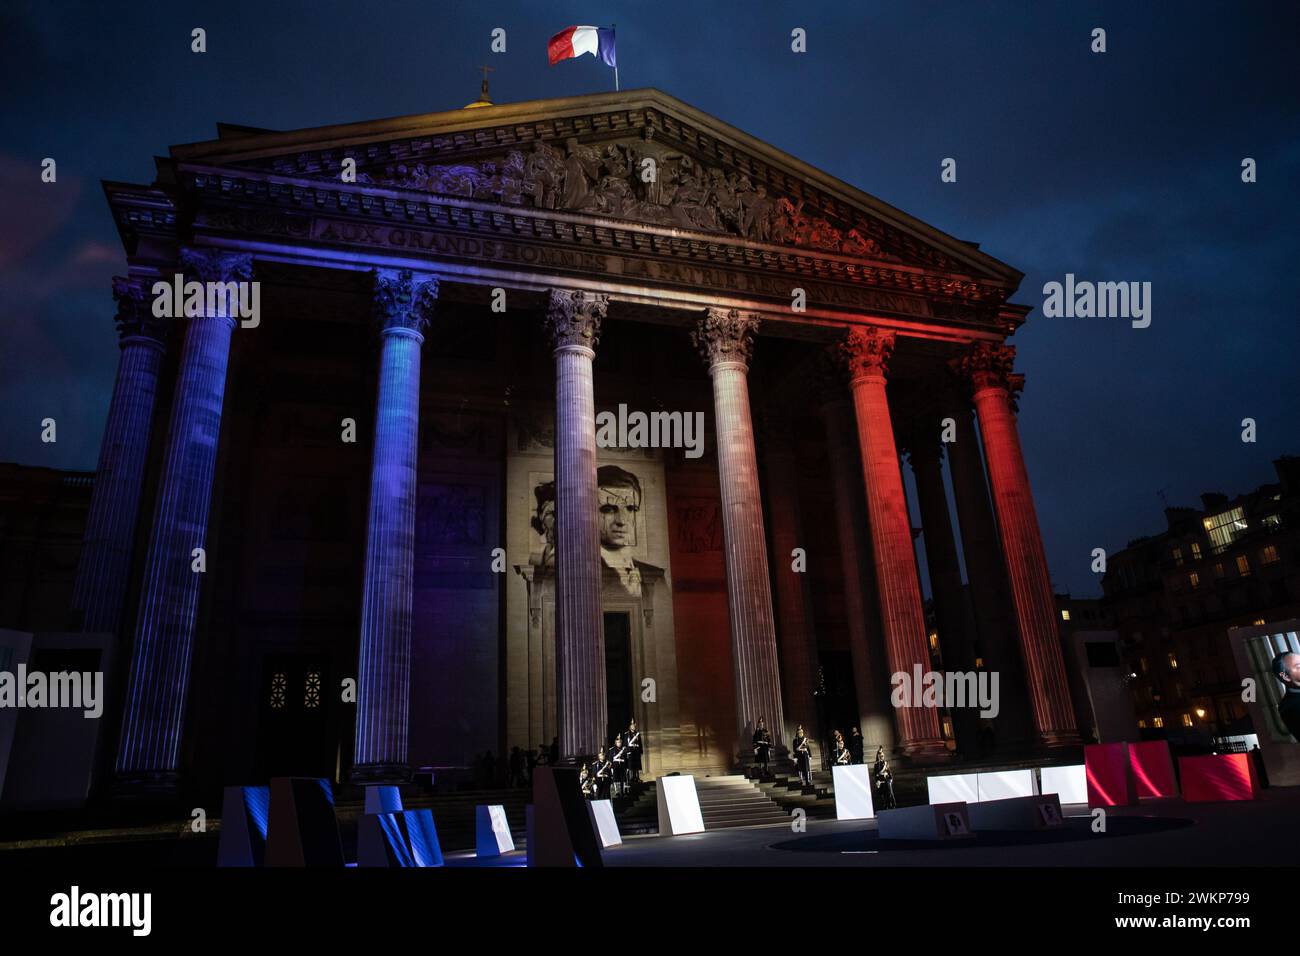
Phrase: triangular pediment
x=638 y=156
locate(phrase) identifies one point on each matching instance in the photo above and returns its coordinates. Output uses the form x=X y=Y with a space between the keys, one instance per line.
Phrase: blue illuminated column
x=573 y=322
x=115 y=501
x=725 y=340
x=403 y=307
x=149 y=750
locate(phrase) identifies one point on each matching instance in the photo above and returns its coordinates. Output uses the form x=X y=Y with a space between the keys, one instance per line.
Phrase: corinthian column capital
x=404 y=300
x=216 y=265
x=988 y=366
x=573 y=318
x=135 y=318
x=725 y=335
x=866 y=351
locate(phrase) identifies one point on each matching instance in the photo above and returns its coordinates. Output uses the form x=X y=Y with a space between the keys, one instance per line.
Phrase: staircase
x=726 y=801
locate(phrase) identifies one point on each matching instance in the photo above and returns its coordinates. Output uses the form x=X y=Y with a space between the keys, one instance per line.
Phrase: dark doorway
x=618 y=672
x=294 y=718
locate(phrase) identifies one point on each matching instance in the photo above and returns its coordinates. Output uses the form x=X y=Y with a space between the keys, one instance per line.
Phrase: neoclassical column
x=149 y=749
x=573 y=321
x=867 y=351
x=403 y=306
x=925 y=455
x=870 y=673
x=990 y=595
x=988 y=367
x=105 y=563
x=725 y=339
x=796 y=634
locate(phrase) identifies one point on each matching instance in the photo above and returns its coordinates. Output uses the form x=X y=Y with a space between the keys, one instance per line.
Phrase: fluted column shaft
x=157 y=689
x=403 y=307
x=870 y=680
x=899 y=587
x=794 y=613
x=105 y=562
x=986 y=571
x=925 y=457
x=573 y=321
x=725 y=339
x=989 y=369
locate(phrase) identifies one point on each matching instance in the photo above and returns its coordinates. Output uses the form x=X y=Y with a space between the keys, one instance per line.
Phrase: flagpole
x=613 y=30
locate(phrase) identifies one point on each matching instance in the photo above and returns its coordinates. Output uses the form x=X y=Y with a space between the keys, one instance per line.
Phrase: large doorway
x=293 y=718
x=618 y=672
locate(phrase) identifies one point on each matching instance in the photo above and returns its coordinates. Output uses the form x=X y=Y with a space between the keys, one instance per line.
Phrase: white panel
x=679 y=806
x=493 y=831
x=602 y=814
x=1017 y=813
x=1004 y=784
x=953 y=788
x=1069 y=783
x=940 y=821
x=853 y=792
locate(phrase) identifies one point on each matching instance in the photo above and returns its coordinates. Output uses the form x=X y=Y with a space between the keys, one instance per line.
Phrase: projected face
x=618 y=510
x=1291 y=669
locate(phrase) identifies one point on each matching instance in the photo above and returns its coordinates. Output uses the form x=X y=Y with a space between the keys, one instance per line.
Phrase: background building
x=1173 y=597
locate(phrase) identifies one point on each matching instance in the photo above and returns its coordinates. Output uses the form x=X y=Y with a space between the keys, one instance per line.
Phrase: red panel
x=1218 y=777
x=1153 y=769
x=1110 y=775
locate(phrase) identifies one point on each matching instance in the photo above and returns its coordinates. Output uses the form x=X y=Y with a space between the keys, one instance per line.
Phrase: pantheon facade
x=371 y=530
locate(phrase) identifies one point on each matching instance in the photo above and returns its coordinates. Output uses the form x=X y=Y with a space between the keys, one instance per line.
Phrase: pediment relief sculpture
x=642 y=181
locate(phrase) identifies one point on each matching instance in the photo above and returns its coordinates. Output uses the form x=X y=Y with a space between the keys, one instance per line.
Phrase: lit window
x=1218 y=570
x=1173 y=662
x=1143 y=723
x=1269 y=555
x=1178 y=557
x=1187 y=720
x=1194 y=580
x=934 y=641
x=1158 y=722
x=1225 y=528
x=1065 y=615
x=278 y=685
x=1196 y=551
x=947 y=727
x=1272 y=522
x=979 y=661
x=1259 y=621
x=1243 y=565
x=1142 y=662
x=311 y=690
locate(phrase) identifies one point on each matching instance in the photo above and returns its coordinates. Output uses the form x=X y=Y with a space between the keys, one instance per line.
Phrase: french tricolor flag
x=575 y=41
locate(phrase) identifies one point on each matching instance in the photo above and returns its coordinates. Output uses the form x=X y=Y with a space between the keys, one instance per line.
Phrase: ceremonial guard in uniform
x=884 y=780
x=802 y=754
x=618 y=759
x=635 y=748
x=762 y=741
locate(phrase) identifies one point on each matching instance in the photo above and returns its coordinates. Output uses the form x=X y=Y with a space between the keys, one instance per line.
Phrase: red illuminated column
x=725 y=339
x=867 y=352
x=988 y=368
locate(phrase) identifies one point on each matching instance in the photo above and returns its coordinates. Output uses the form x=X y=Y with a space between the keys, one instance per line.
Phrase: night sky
x=1123 y=166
